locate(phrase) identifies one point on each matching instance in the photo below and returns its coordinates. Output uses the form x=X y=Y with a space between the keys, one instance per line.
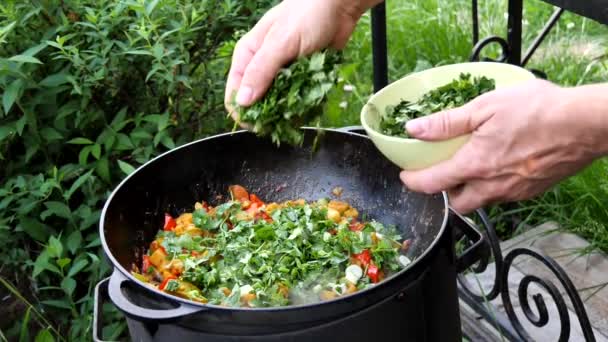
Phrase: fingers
x=243 y=53
x=466 y=199
x=274 y=53
x=440 y=177
x=450 y=123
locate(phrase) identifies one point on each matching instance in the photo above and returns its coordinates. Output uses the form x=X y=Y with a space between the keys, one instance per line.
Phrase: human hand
x=523 y=140
x=291 y=29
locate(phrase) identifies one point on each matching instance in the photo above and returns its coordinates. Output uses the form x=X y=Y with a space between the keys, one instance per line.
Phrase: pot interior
x=203 y=170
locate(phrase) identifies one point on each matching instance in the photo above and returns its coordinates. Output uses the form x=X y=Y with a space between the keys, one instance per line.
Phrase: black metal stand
x=511 y=47
x=512 y=329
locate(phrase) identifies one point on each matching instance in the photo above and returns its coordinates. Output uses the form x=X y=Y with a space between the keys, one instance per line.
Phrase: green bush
x=90 y=90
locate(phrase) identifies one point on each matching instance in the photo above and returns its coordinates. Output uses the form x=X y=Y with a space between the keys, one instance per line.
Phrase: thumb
x=446 y=124
x=262 y=69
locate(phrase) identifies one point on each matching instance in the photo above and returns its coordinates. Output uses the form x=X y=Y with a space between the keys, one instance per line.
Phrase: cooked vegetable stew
x=247 y=253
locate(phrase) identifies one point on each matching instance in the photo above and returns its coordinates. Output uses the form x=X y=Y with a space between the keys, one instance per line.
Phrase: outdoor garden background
x=92 y=89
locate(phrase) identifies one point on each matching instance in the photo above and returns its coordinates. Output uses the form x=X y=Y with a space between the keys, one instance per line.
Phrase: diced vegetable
x=364 y=257
x=239 y=193
x=373 y=273
x=169 y=223
x=353 y=273
x=163 y=285
x=285 y=253
x=145 y=267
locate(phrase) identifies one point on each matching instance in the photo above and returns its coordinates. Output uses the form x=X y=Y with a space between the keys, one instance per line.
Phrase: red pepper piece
x=356 y=226
x=165 y=281
x=365 y=257
x=373 y=273
x=255 y=199
x=253 y=208
x=169 y=223
x=145 y=264
x=263 y=215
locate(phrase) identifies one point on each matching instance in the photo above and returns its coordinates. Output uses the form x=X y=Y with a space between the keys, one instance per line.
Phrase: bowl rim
x=370 y=101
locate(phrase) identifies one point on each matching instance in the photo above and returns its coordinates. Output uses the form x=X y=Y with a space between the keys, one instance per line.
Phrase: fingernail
x=243 y=97
x=415 y=127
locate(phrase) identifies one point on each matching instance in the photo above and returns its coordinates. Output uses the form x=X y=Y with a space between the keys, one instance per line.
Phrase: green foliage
x=90 y=90
x=451 y=95
x=296 y=98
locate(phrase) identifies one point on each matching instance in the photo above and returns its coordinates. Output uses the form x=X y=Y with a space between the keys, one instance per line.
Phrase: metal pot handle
x=478 y=251
x=101 y=292
x=125 y=305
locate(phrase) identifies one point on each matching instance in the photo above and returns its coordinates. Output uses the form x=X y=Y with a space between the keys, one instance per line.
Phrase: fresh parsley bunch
x=454 y=94
x=295 y=98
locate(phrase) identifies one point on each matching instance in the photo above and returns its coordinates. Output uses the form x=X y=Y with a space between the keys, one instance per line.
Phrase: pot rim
x=117 y=266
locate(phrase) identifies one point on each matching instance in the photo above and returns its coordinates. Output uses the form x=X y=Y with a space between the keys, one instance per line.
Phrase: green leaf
x=96 y=151
x=42 y=263
x=151 y=6
x=160 y=120
x=139 y=52
x=55 y=248
x=124 y=143
x=63 y=262
x=24 y=336
x=11 y=93
x=56 y=208
x=125 y=167
x=50 y=134
x=167 y=141
x=20 y=124
x=33 y=51
x=77 y=267
x=44 y=335
x=80 y=141
x=119 y=121
x=103 y=169
x=6 y=131
x=77 y=184
x=74 y=241
x=83 y=156
x=57 y=304
x=54 y=80
x=25 y=59
x=68 y=285
x=34 y=228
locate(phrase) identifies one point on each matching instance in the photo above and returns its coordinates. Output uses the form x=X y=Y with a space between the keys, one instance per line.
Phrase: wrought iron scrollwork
x=500 y=286
x=480 y=45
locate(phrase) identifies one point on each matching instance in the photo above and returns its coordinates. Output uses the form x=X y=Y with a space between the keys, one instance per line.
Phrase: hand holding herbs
x=247 y=253
x=295 y=99
x=454 y=94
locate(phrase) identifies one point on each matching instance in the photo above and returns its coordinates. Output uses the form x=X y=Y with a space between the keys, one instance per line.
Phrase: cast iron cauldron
x=419 y=303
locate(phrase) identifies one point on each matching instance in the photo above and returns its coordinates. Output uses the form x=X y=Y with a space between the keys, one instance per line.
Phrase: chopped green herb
x=275 y=254
x=172 y=286
x=451 y=95
x=295 y=98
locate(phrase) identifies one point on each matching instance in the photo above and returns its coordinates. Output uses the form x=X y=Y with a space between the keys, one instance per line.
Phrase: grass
x=426 y=33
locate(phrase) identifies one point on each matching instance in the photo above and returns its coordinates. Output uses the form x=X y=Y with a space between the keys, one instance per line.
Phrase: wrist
x=586 y=109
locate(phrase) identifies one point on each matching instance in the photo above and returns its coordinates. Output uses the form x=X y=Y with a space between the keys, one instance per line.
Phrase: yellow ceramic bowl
x=412 y=154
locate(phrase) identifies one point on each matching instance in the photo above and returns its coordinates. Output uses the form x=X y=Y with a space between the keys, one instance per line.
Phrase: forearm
x=587 y=108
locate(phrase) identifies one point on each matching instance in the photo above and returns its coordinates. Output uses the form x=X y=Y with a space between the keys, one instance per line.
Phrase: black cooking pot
x=204 y=169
